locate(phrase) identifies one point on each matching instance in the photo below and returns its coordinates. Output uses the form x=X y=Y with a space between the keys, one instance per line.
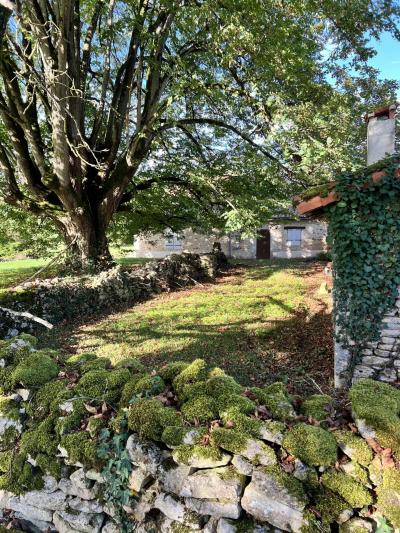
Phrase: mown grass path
x=260 y=323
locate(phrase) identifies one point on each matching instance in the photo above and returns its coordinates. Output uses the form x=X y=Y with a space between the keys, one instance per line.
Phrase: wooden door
x=263 y=249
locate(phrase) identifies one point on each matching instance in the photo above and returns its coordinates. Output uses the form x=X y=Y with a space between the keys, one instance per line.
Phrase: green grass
x=236 y=324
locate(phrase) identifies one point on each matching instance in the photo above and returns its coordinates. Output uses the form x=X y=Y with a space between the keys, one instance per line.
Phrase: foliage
x=364 y=232
x=176 y=113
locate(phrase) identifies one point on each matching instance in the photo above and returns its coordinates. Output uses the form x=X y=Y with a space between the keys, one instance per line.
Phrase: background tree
x=177 y=110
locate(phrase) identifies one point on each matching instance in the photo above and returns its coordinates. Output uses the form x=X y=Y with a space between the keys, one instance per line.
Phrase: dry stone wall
x=58 y=299
x=378 y=360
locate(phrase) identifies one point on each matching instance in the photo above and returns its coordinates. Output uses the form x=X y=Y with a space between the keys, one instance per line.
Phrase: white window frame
x=295 y=239
x=173 y=242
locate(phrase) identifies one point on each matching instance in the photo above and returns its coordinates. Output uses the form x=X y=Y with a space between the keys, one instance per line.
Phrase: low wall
x=378 y=360
x=59 y=299
x=87 y=447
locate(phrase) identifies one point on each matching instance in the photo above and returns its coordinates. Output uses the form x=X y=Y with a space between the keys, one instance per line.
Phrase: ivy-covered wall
x=87 y=447
x=364 y=234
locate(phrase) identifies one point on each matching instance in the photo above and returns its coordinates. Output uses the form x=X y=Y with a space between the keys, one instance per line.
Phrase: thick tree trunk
x=87 y=244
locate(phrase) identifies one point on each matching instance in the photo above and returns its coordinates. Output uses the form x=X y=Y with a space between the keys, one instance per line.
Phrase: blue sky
x=387 y=59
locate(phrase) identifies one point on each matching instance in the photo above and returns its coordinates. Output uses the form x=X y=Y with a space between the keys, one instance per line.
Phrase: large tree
x=108 y=104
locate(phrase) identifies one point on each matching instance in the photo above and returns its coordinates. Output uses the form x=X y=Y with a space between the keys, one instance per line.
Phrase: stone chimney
x=381 y=137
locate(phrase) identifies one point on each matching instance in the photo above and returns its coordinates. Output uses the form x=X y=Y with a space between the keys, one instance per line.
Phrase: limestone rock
x=39 y=524
x=54 y=501
x=259 y=453
x=145 y=503
x=170 y=506
x=145 y=455
x=50 y=484
x=304 y=472
x=82 y=522
x=356 y=525
x=217 y=508
x=79 y=485
x=226 y=526
x=9 y=422
x=168 y=526
x=173 y=477
x=271 y=435
x=93 y=475
x=138 y=479
x=85 y=506
x=217 y=483
x=110 y=527
x=268 y=500
x=242 y=465
x=24 y=393
x=29 y=512
x=198 y=461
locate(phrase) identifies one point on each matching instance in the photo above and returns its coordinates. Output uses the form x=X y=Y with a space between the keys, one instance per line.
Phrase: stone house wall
x=377 y=360
x=313 y=242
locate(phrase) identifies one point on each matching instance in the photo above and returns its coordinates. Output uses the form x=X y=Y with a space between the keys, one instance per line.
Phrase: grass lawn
x=261 y=323
x=19 y=270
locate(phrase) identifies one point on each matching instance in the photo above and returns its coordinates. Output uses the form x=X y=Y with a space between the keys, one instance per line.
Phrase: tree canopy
x=176 y=113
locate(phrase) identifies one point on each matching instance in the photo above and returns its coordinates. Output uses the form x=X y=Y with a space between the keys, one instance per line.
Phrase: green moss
x=277 y=400
x=6 y=380
x=216 y=371
x=353 y=446
x=35 y=370
x=129 y=390
x=80 y=448
x=234 y=418
x=378 y=405
x=40 y=439
x=292 y=485
x=150 y=385
x=329 y=505
x=312 y=445
x=355 y=470
x=72 y=421
x=47 y=399
x=97 y=364
x=169 y=371
x=174 y=435
x=185 y=452
x=241 y=403
x=104 y=385
x=134 y=365
x=6 y=460
x=23 y=477
x=49 y=465
x=95 y=425
x=274 y=427
x=201 y=409
x=389 y=496
x=9 y=438
x=230 y=439
x=348 y=488
x=149 y=418
x=9 y=409
x=196 y=371
x=316 y=406
x=79 y=359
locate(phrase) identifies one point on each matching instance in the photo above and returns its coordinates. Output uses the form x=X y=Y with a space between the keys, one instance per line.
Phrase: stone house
x=289 y=238
x=365 y=358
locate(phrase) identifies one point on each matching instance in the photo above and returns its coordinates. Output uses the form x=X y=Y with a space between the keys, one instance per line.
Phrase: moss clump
x=35 y=370
x=134 y=365
x=355 y=447
x=129 y=390
x=23 y=477
x=185 y=453
x=229 y=439
x=378 y=405
x=287 y=482
x=47 y=399
x=49 y=465
x=79 y=359
x=9 y=438
x=97 y=364
x=316 y=406
x=95 y=425
x=169 y=371
x=174 y=436
x=80 y=448
x=389 y=496
x=329 y=505
x=277 y=400
x=312 y=445
x=150 y=385
x=149 y=418
x=66 y=424
x=41 y=439
x=9 y=409
x=355 y=470
x=241 y=403
x=201 y=409
x=104 y=385
x=196 y=371
x=348 y=488
x=6 y=460
x=6 y=380
x=240 y=422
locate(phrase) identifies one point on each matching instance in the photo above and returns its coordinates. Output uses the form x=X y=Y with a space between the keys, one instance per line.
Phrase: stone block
x=371 y=360
x=29 y=511
x=217 y=483
x=170 y=506
x=391 y=332
x=198 y=461
x=173 y=478
x=147 y=456
x=217 y=508
x=82 y=522
x=54 y=501
x=79 y=485
x=85 y=506
x=382 y=352
x=361 y=372
x=389 y=375
x=242 y=465
x=391 y=322
x=387 y=341
x=138 y=479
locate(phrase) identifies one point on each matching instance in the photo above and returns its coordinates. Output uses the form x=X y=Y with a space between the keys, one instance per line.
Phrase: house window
x=293 y=237
x=173 y=242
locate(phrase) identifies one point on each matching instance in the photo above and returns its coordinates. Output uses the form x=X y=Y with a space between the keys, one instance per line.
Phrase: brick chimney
x=381 y=134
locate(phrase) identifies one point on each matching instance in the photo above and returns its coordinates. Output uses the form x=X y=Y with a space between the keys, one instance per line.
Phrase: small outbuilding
x=363 y=214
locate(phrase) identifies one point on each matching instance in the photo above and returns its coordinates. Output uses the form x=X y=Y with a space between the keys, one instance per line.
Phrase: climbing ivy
x=364 y=233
